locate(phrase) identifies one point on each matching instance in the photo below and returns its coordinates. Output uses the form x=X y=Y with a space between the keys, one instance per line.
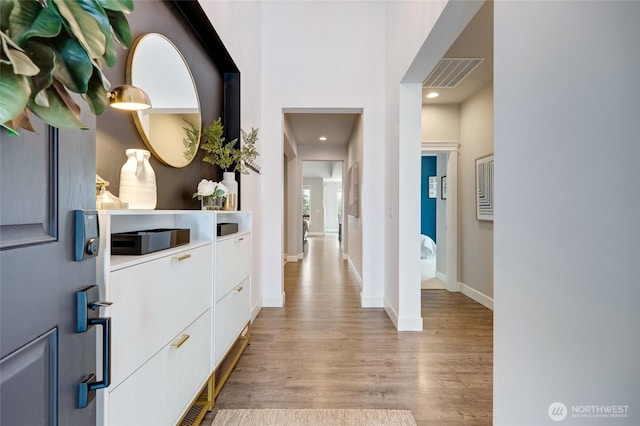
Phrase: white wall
x=239 y=25
x=567 y=322
x=352 y=226
x=320 y=55
x=331 y=206
x=441 y=123
x=408 y=24
x=476 y=237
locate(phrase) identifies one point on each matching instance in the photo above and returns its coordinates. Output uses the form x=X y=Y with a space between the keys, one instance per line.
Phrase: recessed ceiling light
x=432 y=95
x=323 y=138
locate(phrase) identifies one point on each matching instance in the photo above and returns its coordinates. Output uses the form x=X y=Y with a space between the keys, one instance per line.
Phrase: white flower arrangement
x=208 y=188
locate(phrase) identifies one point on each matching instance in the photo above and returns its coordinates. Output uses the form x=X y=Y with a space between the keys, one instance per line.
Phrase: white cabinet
x=176 y=314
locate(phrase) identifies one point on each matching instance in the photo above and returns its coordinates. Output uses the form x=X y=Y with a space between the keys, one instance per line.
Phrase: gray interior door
x=44 y=177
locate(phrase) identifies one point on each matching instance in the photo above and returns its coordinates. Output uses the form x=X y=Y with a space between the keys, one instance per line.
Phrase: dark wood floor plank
x=323 y=351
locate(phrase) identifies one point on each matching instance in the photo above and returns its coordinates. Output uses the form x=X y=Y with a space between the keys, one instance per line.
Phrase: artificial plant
x=52 y=48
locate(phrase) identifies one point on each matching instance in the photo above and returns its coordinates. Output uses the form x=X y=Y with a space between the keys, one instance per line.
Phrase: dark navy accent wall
x=428 y=205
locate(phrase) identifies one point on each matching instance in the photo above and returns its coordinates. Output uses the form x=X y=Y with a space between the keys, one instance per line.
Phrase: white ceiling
x=308 y=127
x=476 y=41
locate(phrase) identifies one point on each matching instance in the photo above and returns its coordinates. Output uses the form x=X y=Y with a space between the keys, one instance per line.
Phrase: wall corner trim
x=437 y=146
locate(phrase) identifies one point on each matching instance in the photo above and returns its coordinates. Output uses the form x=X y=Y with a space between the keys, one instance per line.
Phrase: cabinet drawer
x=158 y=392
x=232 y=313
x=153 y=302
x=189 y=365
x=233 y=263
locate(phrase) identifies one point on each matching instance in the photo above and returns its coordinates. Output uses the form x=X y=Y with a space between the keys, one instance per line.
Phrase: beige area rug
x=316 y=417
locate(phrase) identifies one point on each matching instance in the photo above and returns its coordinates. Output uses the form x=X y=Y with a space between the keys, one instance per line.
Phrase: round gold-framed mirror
x=171 y=129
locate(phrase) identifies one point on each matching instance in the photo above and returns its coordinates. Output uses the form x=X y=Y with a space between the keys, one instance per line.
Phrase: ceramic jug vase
x=138 y=180
x=229 y=180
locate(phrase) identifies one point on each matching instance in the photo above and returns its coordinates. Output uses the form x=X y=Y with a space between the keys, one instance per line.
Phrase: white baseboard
x=474 y=294
x=316 y=234
x=292 y=259
x=393 y=315
x=255 y=311
x=410 y=324
x=442 y=277
x=300 y=256
x=273 y=301
x=352 y=267
x=371 y=302
x=403 y=324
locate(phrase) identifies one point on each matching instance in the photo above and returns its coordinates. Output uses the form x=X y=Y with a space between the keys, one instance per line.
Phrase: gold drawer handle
x=181 y=258
x=239 y=239
x=183 y=339
x=238 y=289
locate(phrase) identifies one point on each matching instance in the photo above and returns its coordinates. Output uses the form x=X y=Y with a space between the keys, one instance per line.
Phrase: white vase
x=229 y=180
x=138 y=180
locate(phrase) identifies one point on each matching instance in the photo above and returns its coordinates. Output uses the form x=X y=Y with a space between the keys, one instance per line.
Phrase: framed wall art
x=484 y=188
x=433 y=187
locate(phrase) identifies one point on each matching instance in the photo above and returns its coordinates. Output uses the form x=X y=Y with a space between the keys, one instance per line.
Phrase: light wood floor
x=323 y=351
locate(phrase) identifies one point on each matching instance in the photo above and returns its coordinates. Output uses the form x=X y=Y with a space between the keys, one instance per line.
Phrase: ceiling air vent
x=451 y=71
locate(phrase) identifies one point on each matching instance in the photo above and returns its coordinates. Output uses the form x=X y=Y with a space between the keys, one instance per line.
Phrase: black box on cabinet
x=226 y=229
x=148 y=241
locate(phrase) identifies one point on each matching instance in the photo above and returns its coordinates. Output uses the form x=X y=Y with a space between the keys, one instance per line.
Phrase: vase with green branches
x=228 y=156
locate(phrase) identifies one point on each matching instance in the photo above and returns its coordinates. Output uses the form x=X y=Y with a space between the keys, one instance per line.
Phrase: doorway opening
x=322 y=199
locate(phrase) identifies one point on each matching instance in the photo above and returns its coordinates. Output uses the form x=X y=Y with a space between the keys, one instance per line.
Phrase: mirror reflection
x=171 y=128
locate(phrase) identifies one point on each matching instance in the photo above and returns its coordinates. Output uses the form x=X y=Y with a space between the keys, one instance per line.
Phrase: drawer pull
x=238 y=289
x=183 y=339
x=181 y=258
x=239 y=239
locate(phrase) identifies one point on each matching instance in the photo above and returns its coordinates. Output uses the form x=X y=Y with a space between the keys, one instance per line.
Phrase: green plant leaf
x=5 y=11
x=98 y=13
x=46 y=25
x=20 y=62
x=73 y=66
x=44 y=57
x=58 y=113
x=21 y=19
x=14 y=93
x=83 y=27
x=7 y=127
x=117 y=5
x=120 y=27
x=96 y=96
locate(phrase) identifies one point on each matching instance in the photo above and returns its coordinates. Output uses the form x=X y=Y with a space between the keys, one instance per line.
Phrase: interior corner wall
x=476 y=237
x=567 y=324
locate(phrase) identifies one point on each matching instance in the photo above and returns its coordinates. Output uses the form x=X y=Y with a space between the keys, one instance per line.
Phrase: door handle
x=87 y=316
